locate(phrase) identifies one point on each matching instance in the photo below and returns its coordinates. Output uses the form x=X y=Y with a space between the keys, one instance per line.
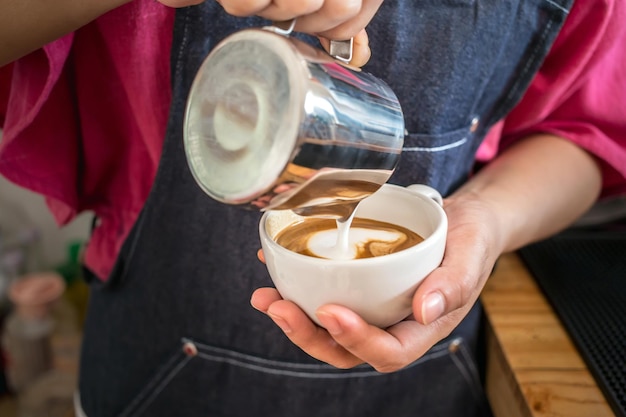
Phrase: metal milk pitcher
x=274 y=123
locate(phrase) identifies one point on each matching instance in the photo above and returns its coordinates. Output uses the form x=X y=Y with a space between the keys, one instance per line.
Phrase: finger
x=262 y=298
x=387 y=350
x=361 y=52
x=346 y=28
x=260 y=255
x=280 y=10
x=311 y=338
x=242 y=8
x=332 y=14
x=454 y=285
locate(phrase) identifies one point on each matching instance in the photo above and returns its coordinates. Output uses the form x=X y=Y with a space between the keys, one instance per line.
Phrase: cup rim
x=424 y=245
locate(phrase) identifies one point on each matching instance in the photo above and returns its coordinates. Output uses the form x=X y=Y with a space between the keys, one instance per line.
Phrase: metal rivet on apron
x=190 y=349
x=454 y=345
x=474 y=124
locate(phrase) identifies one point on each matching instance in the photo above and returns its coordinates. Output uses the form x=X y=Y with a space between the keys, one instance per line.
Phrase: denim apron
x=172 y=332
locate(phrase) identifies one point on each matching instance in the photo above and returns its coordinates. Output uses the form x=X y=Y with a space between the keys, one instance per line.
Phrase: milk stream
x=341 y=250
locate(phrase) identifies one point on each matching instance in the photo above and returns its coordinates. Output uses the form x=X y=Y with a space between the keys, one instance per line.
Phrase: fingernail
x=329 y=322
x=256 y=308
x=280 y=322
x=433 y=307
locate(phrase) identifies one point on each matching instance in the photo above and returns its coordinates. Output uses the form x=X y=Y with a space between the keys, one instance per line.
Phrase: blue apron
x=172 y=332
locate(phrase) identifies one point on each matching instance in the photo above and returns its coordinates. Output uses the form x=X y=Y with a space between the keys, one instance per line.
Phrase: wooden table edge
x=552 y=379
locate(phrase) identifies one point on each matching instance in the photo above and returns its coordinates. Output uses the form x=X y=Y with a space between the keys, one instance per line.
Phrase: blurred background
x=42 y=303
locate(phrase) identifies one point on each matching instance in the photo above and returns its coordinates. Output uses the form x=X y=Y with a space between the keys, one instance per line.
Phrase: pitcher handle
x=339 y=49
x=284 y=27
x=342 y=50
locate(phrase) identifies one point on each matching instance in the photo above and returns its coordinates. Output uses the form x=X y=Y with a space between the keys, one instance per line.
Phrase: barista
x=531 y=89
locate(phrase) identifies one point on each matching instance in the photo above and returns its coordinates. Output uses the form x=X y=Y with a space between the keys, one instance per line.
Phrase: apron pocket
x=200 y=379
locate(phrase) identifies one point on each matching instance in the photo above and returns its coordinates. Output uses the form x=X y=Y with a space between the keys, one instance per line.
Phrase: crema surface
x=367 y=238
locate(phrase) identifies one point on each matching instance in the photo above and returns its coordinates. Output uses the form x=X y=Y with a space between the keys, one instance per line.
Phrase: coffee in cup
x=366 y=238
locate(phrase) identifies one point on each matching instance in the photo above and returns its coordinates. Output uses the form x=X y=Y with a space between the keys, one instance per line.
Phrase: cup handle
x=427 y=191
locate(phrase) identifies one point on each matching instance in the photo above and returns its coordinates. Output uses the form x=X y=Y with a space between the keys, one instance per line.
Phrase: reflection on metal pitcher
x=274 y=123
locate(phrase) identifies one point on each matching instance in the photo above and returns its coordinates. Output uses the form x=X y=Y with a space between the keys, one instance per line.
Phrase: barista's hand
x=328 y=19
x=439 y=305
x=496 y=210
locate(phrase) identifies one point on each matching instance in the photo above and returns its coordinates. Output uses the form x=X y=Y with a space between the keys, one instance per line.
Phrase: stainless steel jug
x=273 y=123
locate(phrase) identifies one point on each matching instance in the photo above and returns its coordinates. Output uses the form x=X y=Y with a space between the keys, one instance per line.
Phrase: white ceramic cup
x=379 y=289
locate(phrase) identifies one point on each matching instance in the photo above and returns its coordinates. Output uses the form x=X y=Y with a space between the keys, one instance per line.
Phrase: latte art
x=367 y=238
x=361 y=243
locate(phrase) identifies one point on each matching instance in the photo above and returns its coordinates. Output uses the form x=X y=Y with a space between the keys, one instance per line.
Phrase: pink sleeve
x=594 y=117
x=39 y=90
x=5 y=86
x=580 y=92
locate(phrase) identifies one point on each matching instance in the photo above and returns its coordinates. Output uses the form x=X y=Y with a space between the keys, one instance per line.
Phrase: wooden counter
x=533 y=368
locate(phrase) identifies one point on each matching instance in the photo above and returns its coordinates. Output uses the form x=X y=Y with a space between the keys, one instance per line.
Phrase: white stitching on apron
x=558 y=6
x=441 y=148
